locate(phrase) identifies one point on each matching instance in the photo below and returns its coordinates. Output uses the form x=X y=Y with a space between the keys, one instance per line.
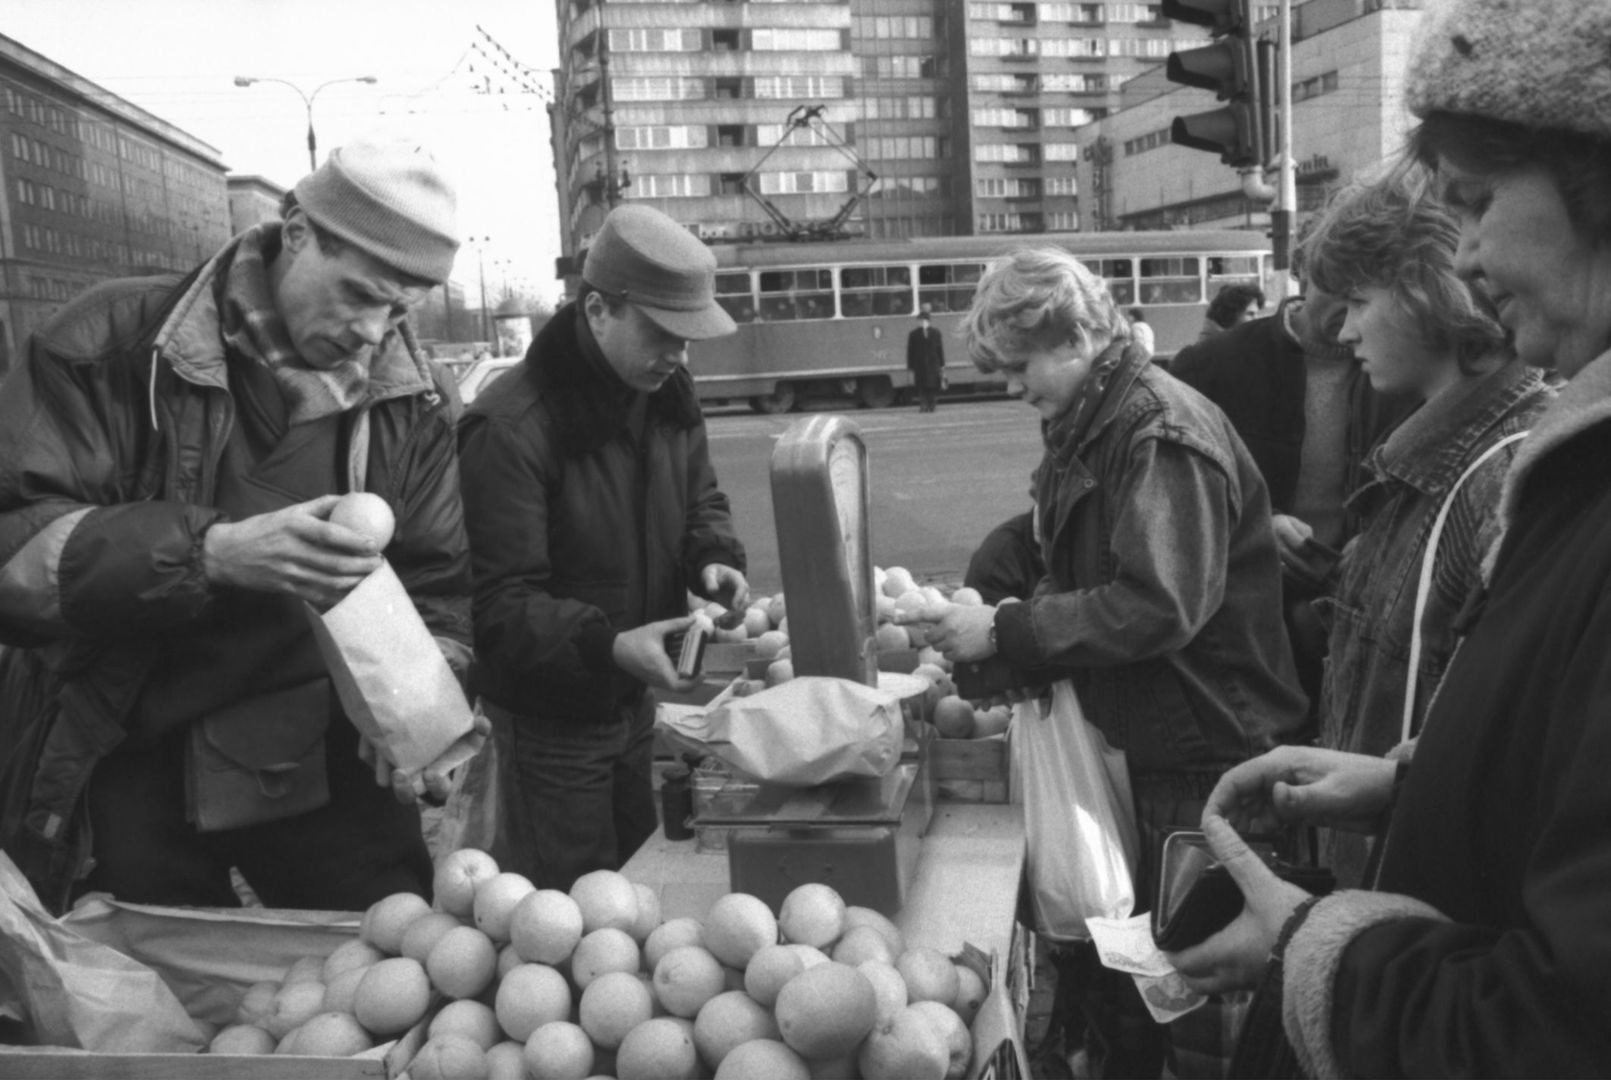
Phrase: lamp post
x=307 y=100
x=481 y=243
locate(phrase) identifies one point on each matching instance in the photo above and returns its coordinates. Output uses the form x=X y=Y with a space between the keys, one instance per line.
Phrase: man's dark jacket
x=111 y=434
x=925 y=357
x=1256 y=373
x=555 y=513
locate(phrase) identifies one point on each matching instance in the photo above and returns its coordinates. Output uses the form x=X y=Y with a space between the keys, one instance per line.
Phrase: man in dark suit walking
x=925 y=359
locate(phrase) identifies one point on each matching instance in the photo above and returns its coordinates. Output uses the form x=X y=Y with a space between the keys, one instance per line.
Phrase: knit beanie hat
x=1537 y=63
x=389 y=198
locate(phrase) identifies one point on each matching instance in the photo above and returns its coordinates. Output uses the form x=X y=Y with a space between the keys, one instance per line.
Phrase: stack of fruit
x=543 y=985
x=766 y=624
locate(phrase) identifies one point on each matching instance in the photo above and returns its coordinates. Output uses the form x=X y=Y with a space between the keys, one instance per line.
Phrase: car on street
x=481 y=374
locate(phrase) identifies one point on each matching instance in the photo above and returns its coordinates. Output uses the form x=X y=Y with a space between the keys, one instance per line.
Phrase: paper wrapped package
x=810 y=730
x=391 y=677
x=69 y=990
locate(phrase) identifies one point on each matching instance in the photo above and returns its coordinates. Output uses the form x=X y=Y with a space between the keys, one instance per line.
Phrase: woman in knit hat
x=1485 y=947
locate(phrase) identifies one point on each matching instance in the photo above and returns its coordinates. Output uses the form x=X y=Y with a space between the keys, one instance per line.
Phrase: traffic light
x=1229 y=67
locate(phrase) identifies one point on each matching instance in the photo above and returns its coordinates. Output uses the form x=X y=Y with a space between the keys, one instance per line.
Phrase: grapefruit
x=812 y=914
x=458 y=876
x=863 y=943
x=366 y=513
x=779 y=672
x=971 y=993
x=603 y=951
x=305 y=969
x=242 y=1039
x=686 y=978
x=495 y=901
x=668 y=935
x=930 y=975
x=257 y=1002
x=449 y=1057
x=612 y=1005
x=386 y=920
x=507 y=1061
x=888 y=987
x=469 y=1019
x=768 y=970
x=953 y=718
x=763 y=1057
x=898 y=580
x=392 y=996
x=423 y=934
x=606 y=899
x=949 y=1027
x=777 y=609
x=294 y=1005
x=826 y=1010
x=905 y=1048
x=557 y=1051
x=856 y=915
x=770 y=643
x=726 y=1022
x=332 y=1034
x=648 y=913
x=462 y=963
x=340 y=991
x=737 y=926
x=545 y=926
x=756 y=622
x=968 y=596
x=658 y=1049
x=530 y=996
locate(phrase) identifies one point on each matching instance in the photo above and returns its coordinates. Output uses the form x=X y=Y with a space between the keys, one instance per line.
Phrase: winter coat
x=1487 y=949
x=1161 y=600
x=111 y=432
x=568 y=546
x=925 y=357
x=1257 y=374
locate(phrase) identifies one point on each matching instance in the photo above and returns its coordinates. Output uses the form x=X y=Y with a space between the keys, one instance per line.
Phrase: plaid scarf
x=254 y=327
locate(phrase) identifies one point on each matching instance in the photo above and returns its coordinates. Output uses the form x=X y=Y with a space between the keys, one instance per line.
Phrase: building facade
x=252 y=200
x=752 y=119
x=1348 y=115
x=91 y=187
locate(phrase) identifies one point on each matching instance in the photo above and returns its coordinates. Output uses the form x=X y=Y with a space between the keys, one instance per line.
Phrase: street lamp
x=307 y=100
x=481 y=243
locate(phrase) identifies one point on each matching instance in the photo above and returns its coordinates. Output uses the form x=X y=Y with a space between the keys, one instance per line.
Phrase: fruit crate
x=972 y=770
x=207 y=957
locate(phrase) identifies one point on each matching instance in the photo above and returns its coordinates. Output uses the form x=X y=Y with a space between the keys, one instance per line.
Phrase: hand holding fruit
x=641 y=653
x=959 y=631
x=306 y=550
x=726 y=586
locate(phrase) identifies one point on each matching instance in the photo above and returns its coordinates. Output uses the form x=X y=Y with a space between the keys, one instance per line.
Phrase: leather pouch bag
x=1197 y=897
x=259 y=760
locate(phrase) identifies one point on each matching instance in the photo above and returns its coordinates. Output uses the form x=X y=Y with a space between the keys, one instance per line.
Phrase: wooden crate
x=971 y=770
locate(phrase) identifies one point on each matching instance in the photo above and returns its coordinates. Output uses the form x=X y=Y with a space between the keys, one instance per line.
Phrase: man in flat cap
x=593 y=511
x=170 y=453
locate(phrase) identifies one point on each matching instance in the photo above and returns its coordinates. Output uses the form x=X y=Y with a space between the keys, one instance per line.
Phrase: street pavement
x=938 y=481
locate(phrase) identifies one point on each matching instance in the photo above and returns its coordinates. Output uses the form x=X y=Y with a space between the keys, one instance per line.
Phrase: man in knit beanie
x=174 y=450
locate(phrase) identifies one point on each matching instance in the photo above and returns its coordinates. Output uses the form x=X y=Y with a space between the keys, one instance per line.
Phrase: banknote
x=1167 y=996
x=1127 y=945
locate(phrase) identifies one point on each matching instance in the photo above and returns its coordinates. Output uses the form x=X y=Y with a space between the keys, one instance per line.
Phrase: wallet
x=1197 y=897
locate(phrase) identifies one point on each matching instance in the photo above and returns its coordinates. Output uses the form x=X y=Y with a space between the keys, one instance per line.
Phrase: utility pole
x=612 y=190
x=1286 y=199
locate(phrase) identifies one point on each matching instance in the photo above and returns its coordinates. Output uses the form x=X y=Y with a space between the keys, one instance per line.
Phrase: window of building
x=1071 y=13
x=1065 y=116
x=773 y=134
x=791 y=40
x=47 y=196
x=1063 y=221
x=681 y=137
x=724 y=40
x=875 y=290
x=668 y=88
x=1007 y=187
x=730 y=135
x=670 y=185
x=1061 y=151
x=1009 y=48
x=1006 y=153
x=1061 y=185
x=803 y=183
x=799 y=86
x=1003 y=117
x=681 y=40
x=1073 y=83
x=1310 y=88
x=883 y=27
x=1134 y=13
x=1150 y=141
x=926 y=147
x=1078 y=48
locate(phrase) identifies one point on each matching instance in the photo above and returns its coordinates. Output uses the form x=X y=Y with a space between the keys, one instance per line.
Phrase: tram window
x=1233 y=270
x=734 y=295
x=948 y=286
x=1120 y=276
x=797 y=294
x=1171 y=280
x=875 y=290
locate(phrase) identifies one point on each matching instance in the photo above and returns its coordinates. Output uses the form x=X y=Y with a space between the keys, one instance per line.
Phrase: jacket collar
x=1098 y=401
x=588 y=403
x=1582 y=403
x=1433 y=445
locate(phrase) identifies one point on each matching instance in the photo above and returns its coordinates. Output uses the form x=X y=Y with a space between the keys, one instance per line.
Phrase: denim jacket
x=1162 y=595
x=1371 y=614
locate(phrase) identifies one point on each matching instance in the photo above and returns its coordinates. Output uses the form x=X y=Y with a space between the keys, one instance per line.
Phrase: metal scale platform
x=860 y=836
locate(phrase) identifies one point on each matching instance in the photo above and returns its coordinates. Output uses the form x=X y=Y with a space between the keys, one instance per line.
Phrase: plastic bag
x=75 y=992
x=1079 y=816
x=393 y=681
x=809 y=730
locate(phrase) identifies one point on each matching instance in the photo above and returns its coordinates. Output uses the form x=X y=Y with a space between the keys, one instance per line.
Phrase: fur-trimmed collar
x=589 y=405
x=1582 y=403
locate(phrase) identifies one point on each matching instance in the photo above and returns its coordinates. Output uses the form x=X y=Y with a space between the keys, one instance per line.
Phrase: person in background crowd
x=1308 y=416
x=925 y=359
x=592 y=510
x=1007 y=563
x=170 y=450
x=1417 y=330
x=1168 y=625
x=1484 y=948
x=1232 y=306
x=1141 y=331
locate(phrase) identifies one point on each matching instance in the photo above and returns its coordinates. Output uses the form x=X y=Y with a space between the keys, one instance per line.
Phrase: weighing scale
x=861 y=836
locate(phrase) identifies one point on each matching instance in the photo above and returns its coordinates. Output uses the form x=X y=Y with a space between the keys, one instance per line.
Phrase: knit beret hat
x=661 y=269
x=1538 y=63
x=389 y=198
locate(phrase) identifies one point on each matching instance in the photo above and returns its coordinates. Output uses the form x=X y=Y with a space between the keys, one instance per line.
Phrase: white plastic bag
x=809 y=730
x=1079 y=817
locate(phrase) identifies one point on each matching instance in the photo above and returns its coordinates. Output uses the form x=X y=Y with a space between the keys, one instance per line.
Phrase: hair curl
x=1033 y=299
x=1580 y=165
x=1393 y=233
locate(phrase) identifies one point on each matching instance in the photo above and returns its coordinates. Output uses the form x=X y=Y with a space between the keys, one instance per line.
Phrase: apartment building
x=925 y=118
x=91 y=187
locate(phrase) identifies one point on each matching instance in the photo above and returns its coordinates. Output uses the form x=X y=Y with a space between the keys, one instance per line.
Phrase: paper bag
x=391 y=677
x=75 y=992
x=809 y=730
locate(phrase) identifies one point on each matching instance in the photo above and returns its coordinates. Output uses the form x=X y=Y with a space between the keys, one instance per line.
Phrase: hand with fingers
x=727 y=586
x=642 y=654
x=960 y=632
x=1304 y=784
x=1236 y=957
x=434 y=783
x=296 y=551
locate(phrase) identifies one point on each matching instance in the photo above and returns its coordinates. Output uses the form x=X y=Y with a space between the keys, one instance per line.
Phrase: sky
x=178 y=59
